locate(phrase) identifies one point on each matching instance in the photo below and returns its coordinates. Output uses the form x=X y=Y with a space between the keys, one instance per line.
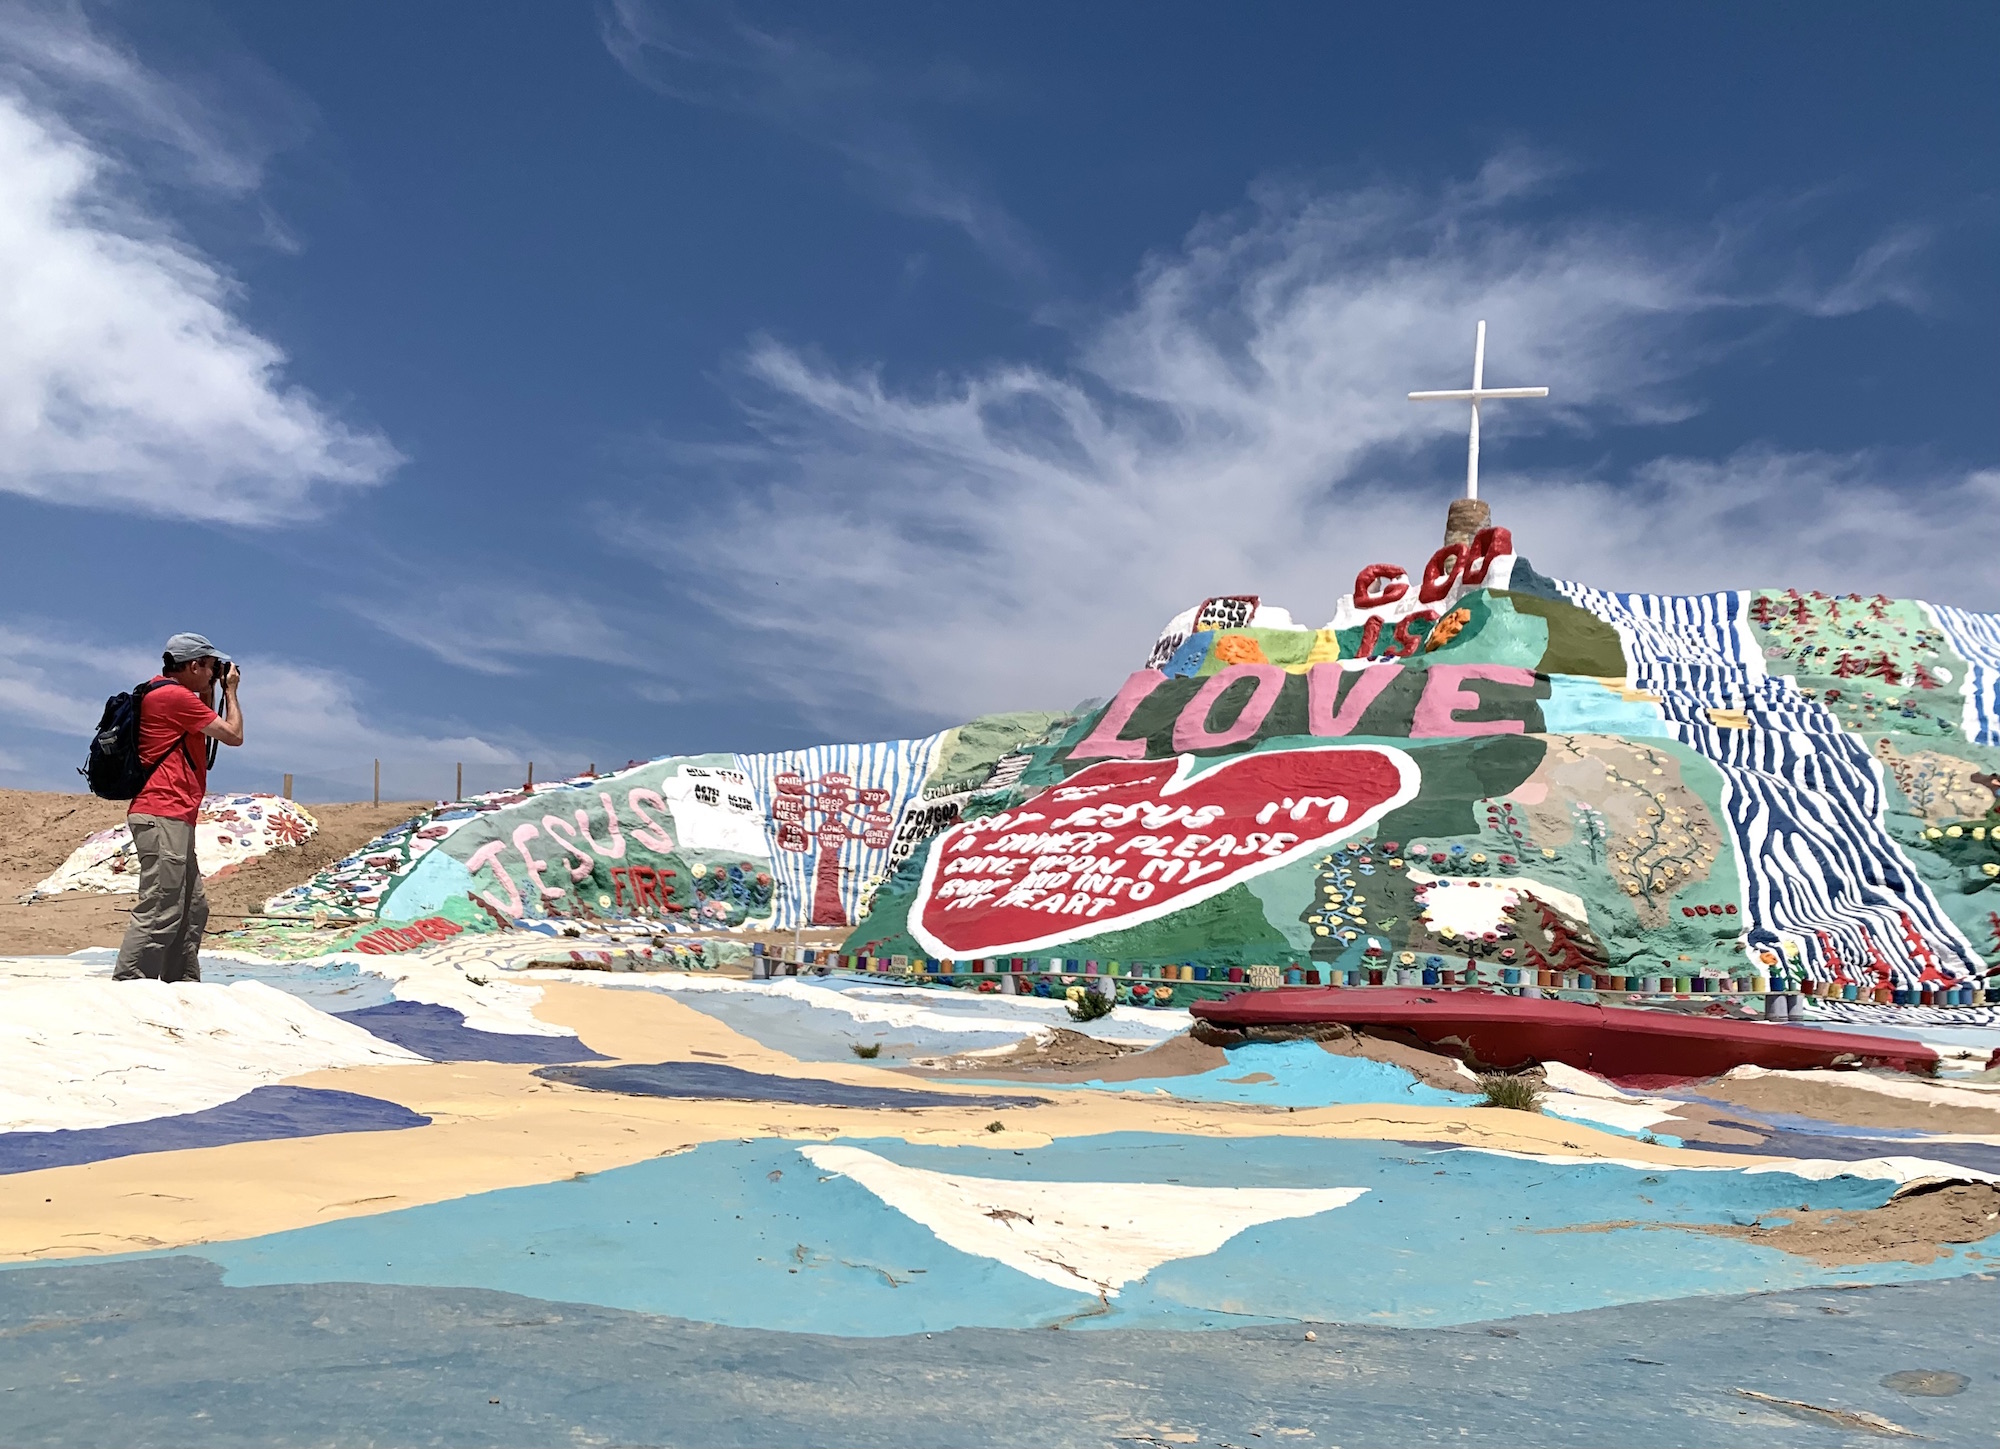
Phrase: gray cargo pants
x=165 y=935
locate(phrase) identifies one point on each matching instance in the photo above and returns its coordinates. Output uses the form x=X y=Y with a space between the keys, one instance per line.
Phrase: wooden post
x=458 y=790
x=531 y=774
x=378 y=782
x=593 y=767
x=288 y=787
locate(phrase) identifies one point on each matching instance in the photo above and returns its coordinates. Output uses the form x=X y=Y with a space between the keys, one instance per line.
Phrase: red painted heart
x=1127 y=841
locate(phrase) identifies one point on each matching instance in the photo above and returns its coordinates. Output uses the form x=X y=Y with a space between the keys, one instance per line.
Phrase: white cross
x=1476 y=394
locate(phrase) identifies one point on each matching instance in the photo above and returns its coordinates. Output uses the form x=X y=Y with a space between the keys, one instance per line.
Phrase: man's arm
x=228 y=729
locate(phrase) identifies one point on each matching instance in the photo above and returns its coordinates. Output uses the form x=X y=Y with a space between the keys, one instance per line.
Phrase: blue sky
x=581 y=383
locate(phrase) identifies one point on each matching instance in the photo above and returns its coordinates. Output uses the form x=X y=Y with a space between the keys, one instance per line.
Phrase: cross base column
x=1464 y=518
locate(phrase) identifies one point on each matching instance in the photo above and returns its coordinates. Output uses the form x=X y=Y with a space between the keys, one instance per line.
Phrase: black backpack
x=114 y=768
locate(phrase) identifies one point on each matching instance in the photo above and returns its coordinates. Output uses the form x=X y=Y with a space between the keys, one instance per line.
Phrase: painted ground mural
x=875 y=1094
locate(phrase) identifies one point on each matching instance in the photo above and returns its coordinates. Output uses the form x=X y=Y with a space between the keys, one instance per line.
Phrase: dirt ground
x=1850 y=1106
x=1070 y=1056
x=38 y=830
x=1913 y=1227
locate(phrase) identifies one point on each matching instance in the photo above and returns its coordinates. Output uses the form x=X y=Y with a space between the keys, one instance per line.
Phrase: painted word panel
x=1122 y=843
x=1154 y=717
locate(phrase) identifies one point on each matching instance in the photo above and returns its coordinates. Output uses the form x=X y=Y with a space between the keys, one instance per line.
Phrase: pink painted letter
x=1191 y=730
x=1103 y=743
x=1323 y=685
x=1443 y=699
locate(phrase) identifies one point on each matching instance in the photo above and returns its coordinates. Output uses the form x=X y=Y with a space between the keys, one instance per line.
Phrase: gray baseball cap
x=185 y=648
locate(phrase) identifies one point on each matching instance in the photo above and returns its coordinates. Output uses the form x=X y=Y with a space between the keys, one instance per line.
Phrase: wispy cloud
x=129 y=381
x=300 y=717
x=705 y=54
x=1012 y=536
x=52 y=56
x=497 y=630
x=1868 y=522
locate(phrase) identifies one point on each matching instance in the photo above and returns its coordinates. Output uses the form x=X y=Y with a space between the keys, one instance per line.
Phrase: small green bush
x=867 y=1053
x=1090 y=1005
x=1517 y=1094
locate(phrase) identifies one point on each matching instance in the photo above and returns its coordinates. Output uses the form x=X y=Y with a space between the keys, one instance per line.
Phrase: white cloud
x=1845 y=523
x=1013 y=537
x=51 y=54
x=494 y=629
x=127 y=380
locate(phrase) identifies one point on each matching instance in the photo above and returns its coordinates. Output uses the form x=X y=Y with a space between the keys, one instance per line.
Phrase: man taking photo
x=177 y=722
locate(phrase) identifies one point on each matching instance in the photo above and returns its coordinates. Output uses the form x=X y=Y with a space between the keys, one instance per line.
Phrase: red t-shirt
x=168 y=714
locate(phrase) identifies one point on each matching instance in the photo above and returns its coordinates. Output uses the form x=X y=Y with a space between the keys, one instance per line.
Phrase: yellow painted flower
x=1953 y=831
x=1990 y=868
x=1326 y=647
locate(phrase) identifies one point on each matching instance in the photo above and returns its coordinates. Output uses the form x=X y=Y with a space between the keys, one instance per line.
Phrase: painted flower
x=1239 y=649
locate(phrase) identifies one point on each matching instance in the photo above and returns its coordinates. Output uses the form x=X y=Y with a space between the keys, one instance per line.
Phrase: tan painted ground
x=499 y=1126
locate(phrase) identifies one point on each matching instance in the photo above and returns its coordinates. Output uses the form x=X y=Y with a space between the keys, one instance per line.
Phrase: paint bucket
x=1509 y=976
x=1294 y=976
x=1201 y=973
x=1430 y=977
x=1312 y=978
x=1774 y=1008
x=1682 y=986
x=1235 y=973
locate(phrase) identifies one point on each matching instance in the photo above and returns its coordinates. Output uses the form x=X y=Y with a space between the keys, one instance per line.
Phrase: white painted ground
x=1094 y=1237
x=91 y=1052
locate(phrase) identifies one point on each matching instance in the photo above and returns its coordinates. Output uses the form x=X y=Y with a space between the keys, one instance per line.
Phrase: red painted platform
x=1647 y=1048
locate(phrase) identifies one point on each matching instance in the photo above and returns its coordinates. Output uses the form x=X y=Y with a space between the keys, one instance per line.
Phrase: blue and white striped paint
x=1976 y=639
x=899 y=767
x=1804 y=798
x=1698 y=629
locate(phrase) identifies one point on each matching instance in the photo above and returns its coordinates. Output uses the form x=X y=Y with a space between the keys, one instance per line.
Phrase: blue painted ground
x=337 y=986
x=824 y=1033
x=1300 y=1074
x=1845 y=1147
x=262 y=1115
x=714 y=1081
x=753 y=1236
x=159 y=1352
x=440 y=1033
